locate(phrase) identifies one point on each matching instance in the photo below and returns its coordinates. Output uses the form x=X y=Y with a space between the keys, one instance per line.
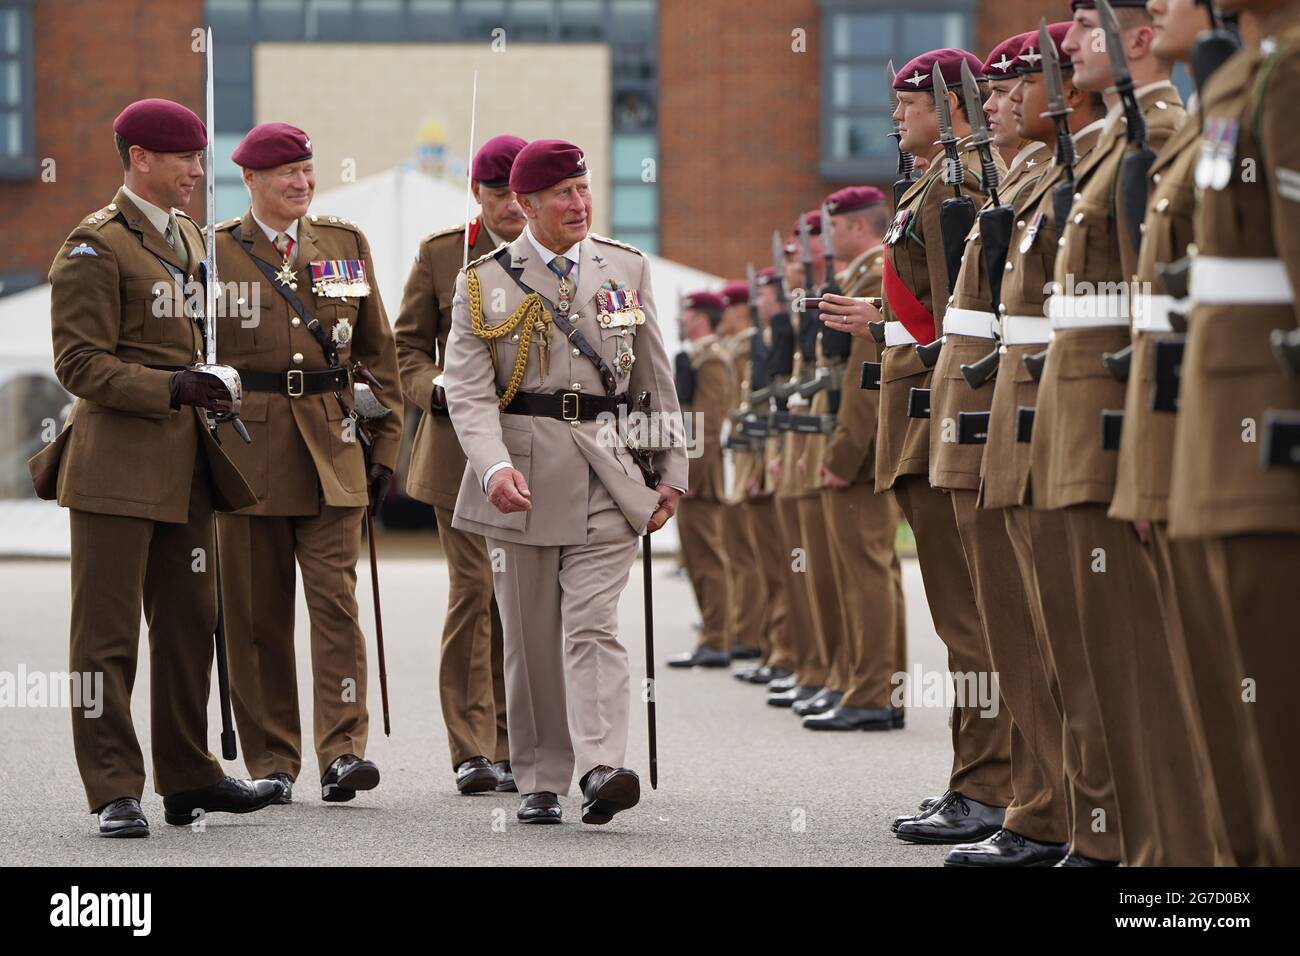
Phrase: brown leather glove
x=189 y=387
x=378 y=479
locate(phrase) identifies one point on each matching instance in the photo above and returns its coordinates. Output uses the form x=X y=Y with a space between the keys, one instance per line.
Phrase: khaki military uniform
x=701 y=514
x=1248 y=516
x=1092 y=816
x=308 y=470
x=140 y=480
x=981 y=745
x=1162 y=810
x=1038 y=807
x=862 y=526
x=471 y=682
x=564 y=563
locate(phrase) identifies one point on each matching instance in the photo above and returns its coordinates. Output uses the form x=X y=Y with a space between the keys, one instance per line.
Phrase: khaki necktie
x=176 y=240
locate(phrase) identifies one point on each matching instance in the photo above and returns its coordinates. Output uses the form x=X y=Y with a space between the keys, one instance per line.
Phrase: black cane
x=379 y=621
x=650 y=660
x=228 y=750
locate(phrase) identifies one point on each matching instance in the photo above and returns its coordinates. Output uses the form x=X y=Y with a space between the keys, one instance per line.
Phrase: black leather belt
x=296 y=382
x=566 y=406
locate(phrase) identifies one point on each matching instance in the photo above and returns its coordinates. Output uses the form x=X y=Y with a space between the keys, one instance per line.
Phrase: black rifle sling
x=565 y=326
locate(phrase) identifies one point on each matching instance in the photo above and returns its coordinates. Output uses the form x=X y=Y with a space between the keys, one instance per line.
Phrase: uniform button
x=577 y=352
x=295 y=321
x=577 y=386
x=1142 y=228
x=1061 y=242
x=1155 y=177
x=1078 y=219
x=1009 y=267
x=1162 y=205
x=297 y=358
x=1002 y=307
x=1161 y=105
x=515 y=337
x=1078 y=196
x=1020 y=224
x=198 y=356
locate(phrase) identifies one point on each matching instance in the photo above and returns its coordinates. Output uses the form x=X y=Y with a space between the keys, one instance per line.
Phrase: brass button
x=1155 y=177
x=1009 y=266
x=1163 y=204
x=112 y=206
x=1078 y=219
x=295 y=321
x=297 y=358
x=1020 y=224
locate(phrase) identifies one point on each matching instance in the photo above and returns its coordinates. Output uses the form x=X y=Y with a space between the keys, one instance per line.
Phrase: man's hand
x=508 y=492
x=378 y=480
x=201 y=389
x=832 y=480
x=774 y=470
x=846 y=314
x=667 y=507
x=1143 y=530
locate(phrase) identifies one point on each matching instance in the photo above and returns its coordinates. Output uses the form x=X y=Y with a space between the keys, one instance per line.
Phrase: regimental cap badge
x=1004 y=64
x=342 y=333
x=916 y=79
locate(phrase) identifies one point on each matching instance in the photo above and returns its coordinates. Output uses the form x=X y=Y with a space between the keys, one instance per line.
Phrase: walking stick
x=650 y=660
x=228 y=750
x=379 y=621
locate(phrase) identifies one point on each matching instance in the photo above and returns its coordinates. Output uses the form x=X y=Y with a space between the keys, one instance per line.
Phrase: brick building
x=745 y=111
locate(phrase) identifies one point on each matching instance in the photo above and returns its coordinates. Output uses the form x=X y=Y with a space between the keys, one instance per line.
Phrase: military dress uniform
x=862 y=527
x=1203 y=640
x=564 y=561
x=916 y=289
x=307 y=467
x=1162 y=812
x=471 y=681
x=1242 y=283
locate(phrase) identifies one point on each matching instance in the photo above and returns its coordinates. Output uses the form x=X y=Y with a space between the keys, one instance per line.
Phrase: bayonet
x=1137 y=124
x=981 y=138
x=1059 y=112
x=469 y=169
x=778 y=265
x=906 y=163
x=954 y=174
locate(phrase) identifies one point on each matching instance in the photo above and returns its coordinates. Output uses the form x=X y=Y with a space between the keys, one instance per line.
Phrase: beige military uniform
x=862 y=526
x=141 y=480
x=564 y=563
x=981 y=745
x=701 y=514
x=308 y=470
x=471 y=681
x=1247 y=515
x=1162 y=809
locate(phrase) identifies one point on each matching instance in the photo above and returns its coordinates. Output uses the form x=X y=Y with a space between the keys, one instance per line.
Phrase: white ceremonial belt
x=896 y=334
x=1087 y=311
x=970 y=322
x=1151 y=312
x=1026 y=330
x=1219 y=281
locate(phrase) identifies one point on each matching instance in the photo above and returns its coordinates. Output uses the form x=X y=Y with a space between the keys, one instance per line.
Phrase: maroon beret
x=918 y=74
x=707 y=301
x=853 y=198
x=1001 y=64
x=495 y=157
x=543 y=163
x=271 y=144
x=814 y=219
x=161 y=126
x=736 y=292
x=1117 y=4
x=767 y=276
x=1030 y=59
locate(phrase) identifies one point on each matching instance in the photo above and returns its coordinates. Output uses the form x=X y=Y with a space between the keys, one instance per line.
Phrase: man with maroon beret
x=318 y=329
x=553 y=338
x=141 y=476
x=471 y=682
x=700 y=512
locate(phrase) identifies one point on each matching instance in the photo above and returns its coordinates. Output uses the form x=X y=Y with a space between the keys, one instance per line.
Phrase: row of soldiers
x=1077 y=354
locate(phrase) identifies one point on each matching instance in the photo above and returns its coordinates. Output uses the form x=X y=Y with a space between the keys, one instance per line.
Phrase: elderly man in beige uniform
x=551 y=338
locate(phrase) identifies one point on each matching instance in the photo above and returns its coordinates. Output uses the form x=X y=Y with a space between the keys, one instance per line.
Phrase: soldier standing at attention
x=141 y=476
x=549 y=484
x=700 y=512
x=471 y=682
x=319 y=321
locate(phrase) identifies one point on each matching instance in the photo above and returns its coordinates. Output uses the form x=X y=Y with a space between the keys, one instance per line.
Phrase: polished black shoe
x=761 y=675
x=701 y=657
x=923 y=808
x=851 y=718
x=1078 y=859
x=788 y=682
x=900 y=718
x=505 y=777
x=818 y=704
x=788 y=698
x=956 y=819
x=477 y=775
x=607 y=791
x=224 y=796
x=541 y=807
x=123 y=818
x=1005 y=848
x=286 y=782
x=346 y=776
x=743 y=652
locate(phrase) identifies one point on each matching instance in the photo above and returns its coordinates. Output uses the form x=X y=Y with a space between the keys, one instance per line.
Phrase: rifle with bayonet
x=835 y=344
x=906 y=163
x=809 y=321
x=781 y=354
x=1214 y=46
x=1137 y=162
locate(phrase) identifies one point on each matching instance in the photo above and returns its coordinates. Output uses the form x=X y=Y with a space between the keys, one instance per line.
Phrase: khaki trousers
x=746 y=589
x=773 y=559
x=862 y=527
x=803 y=638
x=818 y=577
x=981 y=767
x=258 y=585
x=119 y=565
x=1038 y=808
x=699 y=527
x=566 y=672
x=471 y=682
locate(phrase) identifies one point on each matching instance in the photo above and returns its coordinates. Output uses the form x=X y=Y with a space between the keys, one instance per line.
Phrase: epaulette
x=99 y=217
x=228 y=224
x=335 y=221
x=486 y=256
x=615 y=242
x=450 y=230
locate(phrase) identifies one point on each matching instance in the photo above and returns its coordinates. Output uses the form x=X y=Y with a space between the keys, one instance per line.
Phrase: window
x=858 y=41
x=17 y=92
